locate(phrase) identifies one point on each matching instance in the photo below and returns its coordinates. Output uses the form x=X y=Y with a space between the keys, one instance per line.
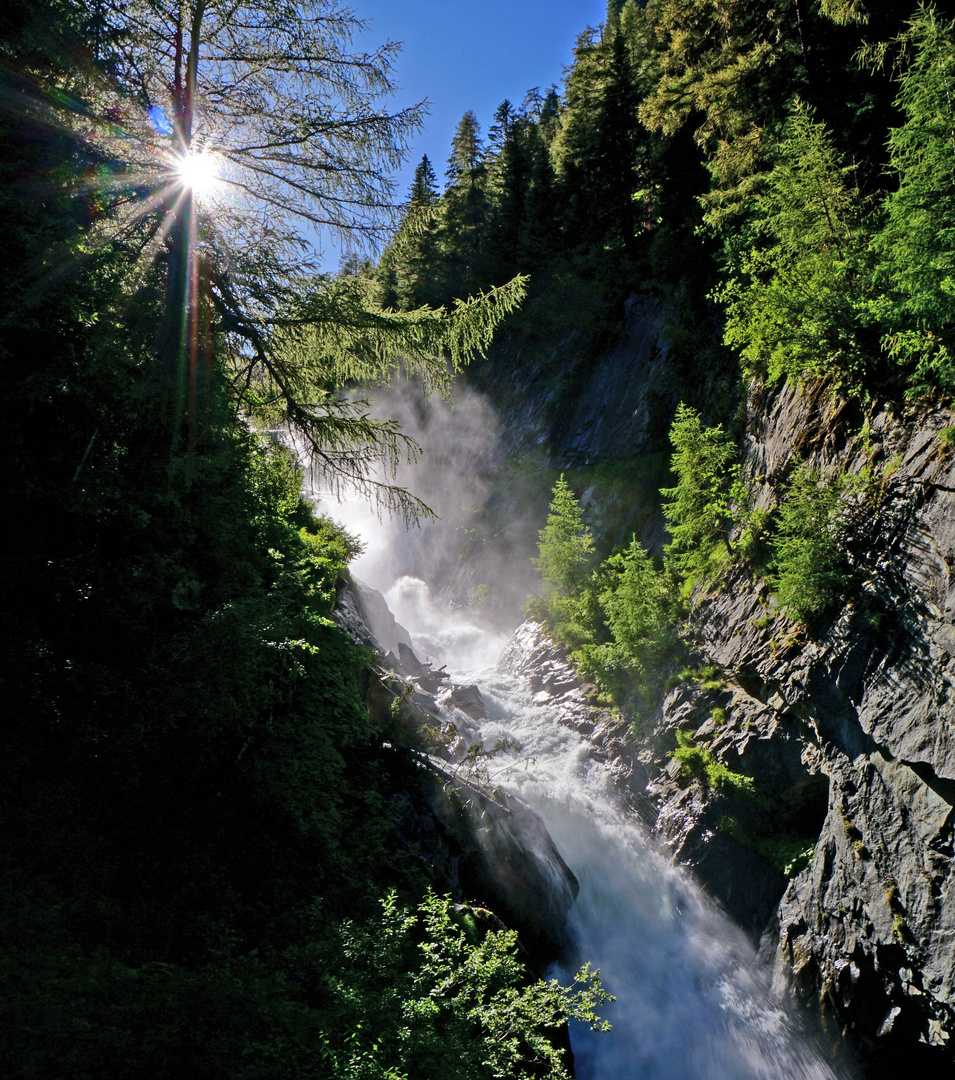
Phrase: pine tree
x=407 y=270
x=510 y=176
x=504 y=119
x=732 y=69
x=810 y=574
x=566 y=552
x=424 y=186
x=464 y=163
x=698 y=509
x=916 y=246
x=464 y=212
x=794 y=309
x=599 y=151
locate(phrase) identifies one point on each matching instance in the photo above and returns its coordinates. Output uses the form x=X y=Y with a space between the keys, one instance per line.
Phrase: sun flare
x=199 y=172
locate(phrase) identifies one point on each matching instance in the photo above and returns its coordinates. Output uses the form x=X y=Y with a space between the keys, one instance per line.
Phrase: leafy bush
x=435 y=992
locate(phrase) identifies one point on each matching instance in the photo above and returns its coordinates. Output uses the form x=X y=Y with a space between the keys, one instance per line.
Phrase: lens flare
x=198 y=171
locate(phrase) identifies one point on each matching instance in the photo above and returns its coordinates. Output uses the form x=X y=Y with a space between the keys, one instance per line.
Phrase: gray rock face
x=863 y=720
x=581 y=409
x=849 y=738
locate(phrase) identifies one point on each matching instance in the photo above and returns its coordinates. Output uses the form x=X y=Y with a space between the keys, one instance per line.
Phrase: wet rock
x=508 y=861
x=849 y=737
x=866 y=711
x=469 y=700
x=533 y=655
x=490 y=847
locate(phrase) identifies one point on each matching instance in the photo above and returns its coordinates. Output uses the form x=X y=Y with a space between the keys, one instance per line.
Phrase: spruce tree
x=464 y=212
x=698 y=509
x=793 y=311
x=916 y=246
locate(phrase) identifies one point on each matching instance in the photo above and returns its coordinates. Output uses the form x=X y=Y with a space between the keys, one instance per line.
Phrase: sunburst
x=199 y=172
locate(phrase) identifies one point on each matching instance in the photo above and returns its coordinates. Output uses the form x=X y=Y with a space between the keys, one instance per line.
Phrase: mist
x=475 y=555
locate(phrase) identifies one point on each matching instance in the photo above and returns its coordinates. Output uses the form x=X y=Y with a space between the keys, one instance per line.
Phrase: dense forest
x=782 y=174
x=204 y=867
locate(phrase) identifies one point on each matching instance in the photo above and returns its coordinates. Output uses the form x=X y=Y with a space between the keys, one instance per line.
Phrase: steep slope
x=840 y=862
x=860 y=718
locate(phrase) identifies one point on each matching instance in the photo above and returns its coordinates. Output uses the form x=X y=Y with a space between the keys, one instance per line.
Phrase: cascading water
x=693 y=1003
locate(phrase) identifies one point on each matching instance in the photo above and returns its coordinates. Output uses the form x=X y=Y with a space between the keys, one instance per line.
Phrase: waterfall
x=692 y=1000
x=693 y=1003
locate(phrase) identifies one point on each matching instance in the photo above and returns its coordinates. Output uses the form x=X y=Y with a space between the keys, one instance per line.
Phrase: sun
x=199 y=172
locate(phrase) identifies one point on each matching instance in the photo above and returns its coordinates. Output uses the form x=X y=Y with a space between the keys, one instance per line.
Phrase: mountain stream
x=692 y=1002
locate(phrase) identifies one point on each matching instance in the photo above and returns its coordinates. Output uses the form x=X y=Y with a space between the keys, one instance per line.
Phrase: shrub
x=700 y=762
x=618 y=621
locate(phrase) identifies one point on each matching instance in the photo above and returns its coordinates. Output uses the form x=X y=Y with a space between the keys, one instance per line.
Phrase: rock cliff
x=854 y=731
x=841 y=862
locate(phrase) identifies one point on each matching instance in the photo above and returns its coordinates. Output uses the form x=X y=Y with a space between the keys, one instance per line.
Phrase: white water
x=692 y=1002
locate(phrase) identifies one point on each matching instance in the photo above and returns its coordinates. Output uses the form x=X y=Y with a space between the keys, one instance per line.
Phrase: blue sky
x=471 y=54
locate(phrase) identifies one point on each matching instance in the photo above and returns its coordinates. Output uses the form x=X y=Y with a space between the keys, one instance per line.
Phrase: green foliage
x=707 y=677
x=195 y=794
x=699 y=509
x=916 y=244
x=618 y=620
x=638 y=612
x=701 y=763
x=566 y=556
x=788 y=852
x=810 y=575
x=406 y=993
x=432 y=992
x=792 y=312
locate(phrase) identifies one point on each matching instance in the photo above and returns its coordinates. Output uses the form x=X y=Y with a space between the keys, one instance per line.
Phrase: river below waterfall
x=692 y=1002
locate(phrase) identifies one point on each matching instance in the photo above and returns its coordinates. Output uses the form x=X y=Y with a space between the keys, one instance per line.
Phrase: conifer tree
x=464 y=211
x=510 y=176
x=698 y=509
x=916 y=246
x=566 y=550
x=794 y=309
x=504 y=119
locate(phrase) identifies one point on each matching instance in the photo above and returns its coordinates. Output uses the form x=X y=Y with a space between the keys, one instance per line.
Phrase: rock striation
x=842 y=868
x=840 y=864
x=855 y=729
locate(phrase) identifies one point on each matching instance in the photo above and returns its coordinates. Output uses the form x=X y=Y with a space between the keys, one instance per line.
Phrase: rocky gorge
x=840 y=866
x=833 y=852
